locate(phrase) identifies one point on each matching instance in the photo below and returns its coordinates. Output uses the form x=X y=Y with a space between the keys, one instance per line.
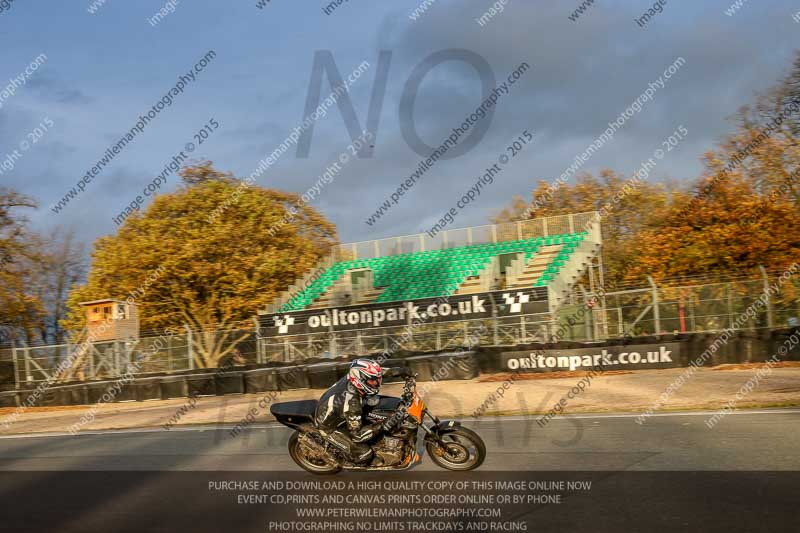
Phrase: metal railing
x=422 y=337
x=491 y=233
x=683 y=308
x=421 y=242
x=680 y=308
x=163 y=354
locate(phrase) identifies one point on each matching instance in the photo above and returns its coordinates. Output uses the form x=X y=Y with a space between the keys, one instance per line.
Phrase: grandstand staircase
x=473 y=284
x=326 y=299
x=482 y=282
x=530 y=273
x=368 y=295
x=570 y=271
x=363 y=294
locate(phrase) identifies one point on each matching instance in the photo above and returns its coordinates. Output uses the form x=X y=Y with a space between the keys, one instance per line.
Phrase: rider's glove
x=408 y=392
x=408 y=396
x=404 y=372
x=395 y=419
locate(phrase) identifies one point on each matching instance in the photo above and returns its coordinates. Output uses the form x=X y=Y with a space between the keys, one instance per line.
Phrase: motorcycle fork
x=430 y=434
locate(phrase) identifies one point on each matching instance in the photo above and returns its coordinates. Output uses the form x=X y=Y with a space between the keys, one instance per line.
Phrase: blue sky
x=105 y=69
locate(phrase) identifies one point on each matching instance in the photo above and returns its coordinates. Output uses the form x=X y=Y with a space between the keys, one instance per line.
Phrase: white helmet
x=366 y=376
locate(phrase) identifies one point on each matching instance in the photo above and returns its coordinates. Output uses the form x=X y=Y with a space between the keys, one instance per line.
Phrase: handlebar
x=410 y=381
x=409 y=389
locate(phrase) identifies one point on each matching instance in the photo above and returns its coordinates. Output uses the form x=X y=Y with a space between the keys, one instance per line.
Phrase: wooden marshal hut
x=110 y=319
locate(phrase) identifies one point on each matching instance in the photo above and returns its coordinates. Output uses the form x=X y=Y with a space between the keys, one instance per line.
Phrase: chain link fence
x=653 y=310
x=415 y=337
x=770 y=302
x=163 y=354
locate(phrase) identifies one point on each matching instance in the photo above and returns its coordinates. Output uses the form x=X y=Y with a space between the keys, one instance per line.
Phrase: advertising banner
x=625 y=357
x=427 y=310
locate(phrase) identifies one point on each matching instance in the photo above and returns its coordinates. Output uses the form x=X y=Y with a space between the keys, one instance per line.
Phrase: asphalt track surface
x=742 y=441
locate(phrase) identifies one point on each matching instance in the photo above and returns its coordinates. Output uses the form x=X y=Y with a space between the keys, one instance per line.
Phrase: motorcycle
x=449 y=445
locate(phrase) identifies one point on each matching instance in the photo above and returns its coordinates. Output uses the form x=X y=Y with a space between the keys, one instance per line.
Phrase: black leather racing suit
x=339 y=419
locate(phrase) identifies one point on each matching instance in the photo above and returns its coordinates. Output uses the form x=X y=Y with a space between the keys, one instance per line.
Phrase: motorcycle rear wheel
x=464 y=450
x=314 y=466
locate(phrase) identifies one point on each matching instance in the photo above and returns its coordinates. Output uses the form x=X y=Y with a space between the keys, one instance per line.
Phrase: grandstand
x=536 y=260
x=442 y=273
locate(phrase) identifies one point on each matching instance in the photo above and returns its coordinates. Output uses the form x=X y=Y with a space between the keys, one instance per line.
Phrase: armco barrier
x=260 y=380
x=45 y=397
x=342 y=368
x=229 y=383
x=8 y=399
x=200 y=385
x=147 y=389
x=322 y=375
x=781 y=338
x=458 y=365
x=441 y=366
x=389 y=363
x=123 y=392
x=421 y=365
x=73 y=395
x=6 y=375
x=293 y=377
x=97 y=389
x=742 y=347
x=173 y=387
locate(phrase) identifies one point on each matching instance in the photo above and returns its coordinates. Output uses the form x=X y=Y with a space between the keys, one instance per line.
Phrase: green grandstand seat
x=437 y=272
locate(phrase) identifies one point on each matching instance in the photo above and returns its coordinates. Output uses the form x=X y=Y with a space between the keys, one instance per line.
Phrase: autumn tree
x=19 y=309
x=58 y=263
x=628 y=213
x=711 y=238
x=210 y=275
x=744 y=210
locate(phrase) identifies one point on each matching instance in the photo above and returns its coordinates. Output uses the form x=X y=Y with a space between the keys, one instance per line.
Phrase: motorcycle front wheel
x=315 y=465
x=462 y=450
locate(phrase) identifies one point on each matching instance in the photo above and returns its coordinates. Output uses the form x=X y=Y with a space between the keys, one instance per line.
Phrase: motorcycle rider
x=339 y=411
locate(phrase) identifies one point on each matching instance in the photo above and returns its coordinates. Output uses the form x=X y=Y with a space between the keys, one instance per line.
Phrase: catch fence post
x=656 y=310
x=27 y=355
x=169 y=353
x=259 y=349
x=189 y=346
x=587 y=323
x=729 y=304
x=69 y=348
x=16 y=363
x=91 y=350
x=770 y=315
x=495 y=325
x=115 y=358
